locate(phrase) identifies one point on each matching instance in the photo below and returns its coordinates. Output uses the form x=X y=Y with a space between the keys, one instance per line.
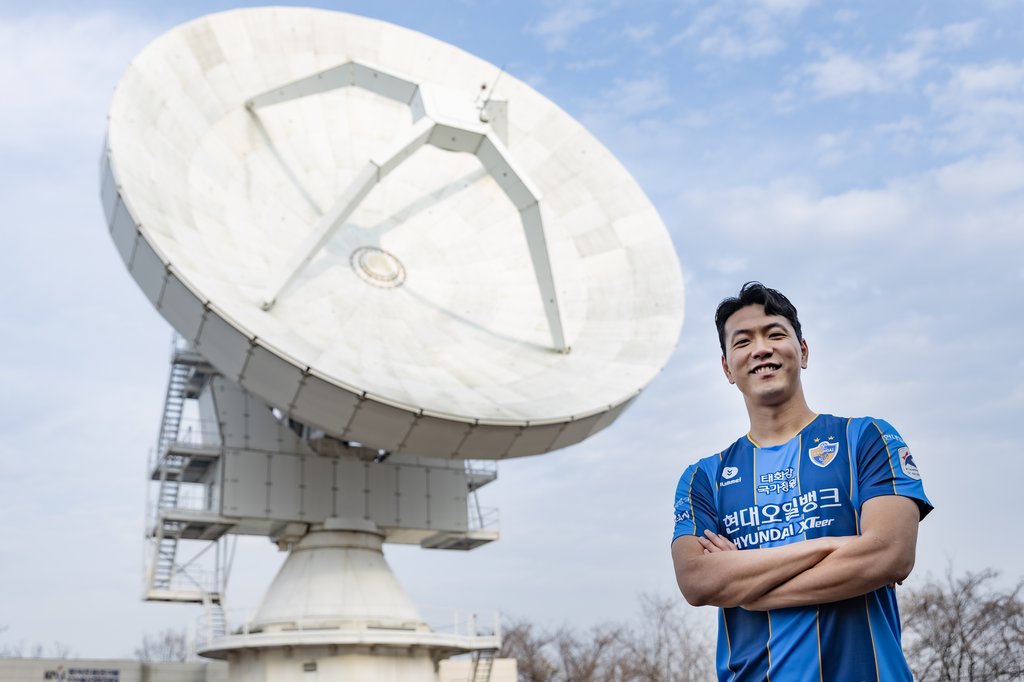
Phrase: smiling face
x=763 y=357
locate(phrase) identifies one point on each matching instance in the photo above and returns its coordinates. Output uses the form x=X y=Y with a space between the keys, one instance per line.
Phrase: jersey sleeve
x=695 y=504
x=885 y=466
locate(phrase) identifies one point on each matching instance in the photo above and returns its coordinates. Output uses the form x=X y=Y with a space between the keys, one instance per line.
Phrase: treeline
x=955 y=629
x=666 y=643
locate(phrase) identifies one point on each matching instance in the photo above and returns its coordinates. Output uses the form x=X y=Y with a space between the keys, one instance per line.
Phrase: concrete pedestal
x=336 y=612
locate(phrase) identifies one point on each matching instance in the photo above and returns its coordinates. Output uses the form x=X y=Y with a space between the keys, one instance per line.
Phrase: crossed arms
x=816 y=571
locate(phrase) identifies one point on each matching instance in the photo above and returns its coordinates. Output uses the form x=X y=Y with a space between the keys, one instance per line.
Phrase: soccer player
x=800 y=529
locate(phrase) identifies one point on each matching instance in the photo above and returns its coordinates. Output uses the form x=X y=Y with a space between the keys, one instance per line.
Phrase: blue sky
x=866 y=158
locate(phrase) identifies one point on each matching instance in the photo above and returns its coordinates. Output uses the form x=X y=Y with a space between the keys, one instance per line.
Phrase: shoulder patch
x=907 y=463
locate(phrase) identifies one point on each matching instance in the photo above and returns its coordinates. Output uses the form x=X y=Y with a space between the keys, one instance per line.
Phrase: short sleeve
x=885 y=465
x=695 y=504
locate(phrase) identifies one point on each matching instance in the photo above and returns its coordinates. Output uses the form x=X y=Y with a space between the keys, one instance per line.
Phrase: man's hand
x=881 y=555
x=713 y=542
x=709 y=572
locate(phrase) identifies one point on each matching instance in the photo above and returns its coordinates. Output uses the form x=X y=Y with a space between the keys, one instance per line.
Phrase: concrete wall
x=89 y=670
x=504 y=670
x=107 y=670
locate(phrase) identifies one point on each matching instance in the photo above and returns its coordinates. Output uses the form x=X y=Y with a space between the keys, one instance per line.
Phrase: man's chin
x=768 y=396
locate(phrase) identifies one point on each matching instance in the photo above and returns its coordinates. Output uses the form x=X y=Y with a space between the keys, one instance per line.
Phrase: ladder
x=216 y=624
x=166 y=578
x=167 y=533
x=483 y=662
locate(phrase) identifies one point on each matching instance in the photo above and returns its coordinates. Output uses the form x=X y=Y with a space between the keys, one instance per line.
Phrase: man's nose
x=761 y=347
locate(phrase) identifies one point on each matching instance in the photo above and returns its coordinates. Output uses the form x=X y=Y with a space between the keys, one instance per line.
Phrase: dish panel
x=332 y=207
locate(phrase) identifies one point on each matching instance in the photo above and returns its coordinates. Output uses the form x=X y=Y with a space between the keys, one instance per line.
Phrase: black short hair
x=754 y=293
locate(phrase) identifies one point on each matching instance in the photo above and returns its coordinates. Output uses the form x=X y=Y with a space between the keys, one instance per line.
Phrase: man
x=823 y=510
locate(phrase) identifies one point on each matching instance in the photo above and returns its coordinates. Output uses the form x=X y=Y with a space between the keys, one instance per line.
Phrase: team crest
x=907 y=464
x=823 y=454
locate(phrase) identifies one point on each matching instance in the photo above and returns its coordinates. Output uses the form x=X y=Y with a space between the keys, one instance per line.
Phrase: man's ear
x=728 y=374
x=803 y=353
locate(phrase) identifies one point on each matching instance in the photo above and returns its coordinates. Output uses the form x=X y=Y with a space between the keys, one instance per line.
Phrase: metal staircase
x=166 y=578
x=483 y=663
x=215 y=619
x=166 y=533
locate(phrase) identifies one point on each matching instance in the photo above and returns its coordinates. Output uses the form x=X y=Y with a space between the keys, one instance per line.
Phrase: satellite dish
x=384 y=236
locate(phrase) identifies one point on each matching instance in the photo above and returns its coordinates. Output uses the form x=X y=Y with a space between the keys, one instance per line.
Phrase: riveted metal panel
x=605 y=419
x=412 y=497
x=123 y=231
x=535 y=439
x=448 y=499
x=181 y=308
x=435 y=437
x=382 y=482
x=108 y=187
x=351 y=494
x=488 y=442
x=245 y=484
x=271 y=377
x=575 y=431
x=379 y=426
x=324 y=405
x=148 y=270
x=284 y=487
x=318 y=490
x=223 y=345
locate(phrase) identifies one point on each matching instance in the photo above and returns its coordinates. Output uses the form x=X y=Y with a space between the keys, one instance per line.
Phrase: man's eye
x=741 y=342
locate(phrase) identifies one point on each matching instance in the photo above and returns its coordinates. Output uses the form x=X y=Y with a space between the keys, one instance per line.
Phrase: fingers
x=712 y=542
x=723 y=543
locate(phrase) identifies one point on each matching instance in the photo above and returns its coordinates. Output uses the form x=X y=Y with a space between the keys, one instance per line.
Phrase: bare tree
x=521 y=641
x=664 y=645
x=668 y=645
x=591 y=656
x=62 y=651
x=58 y=650
x=964 y=629
x=166 y=646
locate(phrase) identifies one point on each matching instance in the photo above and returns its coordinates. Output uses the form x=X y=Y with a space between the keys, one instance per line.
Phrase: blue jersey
x=810 y=487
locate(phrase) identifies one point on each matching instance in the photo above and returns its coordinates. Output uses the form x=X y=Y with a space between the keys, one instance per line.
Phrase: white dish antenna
x=368 y=229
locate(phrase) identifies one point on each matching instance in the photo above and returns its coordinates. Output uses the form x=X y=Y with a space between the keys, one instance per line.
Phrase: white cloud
x=835 y=148
x=982 y=107
x=742 y=29
x=638 y=96
x=997 y=78
x=842 y=74
x=782 y=6
x=846 y=16
x=557 y=27
x=838 y=73
x=786 y=211
x=905 y=125
x=642 y=33
x=727 y=42
x=981 y=180
x=728 y=265
x=588 y=64
x=58 y=89
x=951 y=36
x=955 y=200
